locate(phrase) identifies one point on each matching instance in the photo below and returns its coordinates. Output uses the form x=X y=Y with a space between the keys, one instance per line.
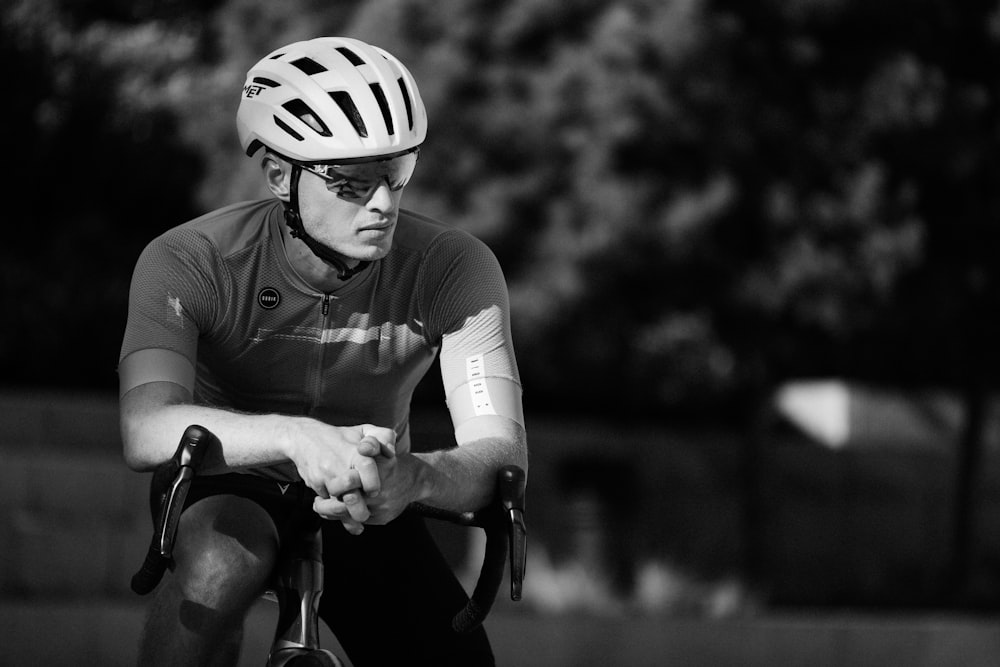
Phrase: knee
x=224 y=564
x=220 y=572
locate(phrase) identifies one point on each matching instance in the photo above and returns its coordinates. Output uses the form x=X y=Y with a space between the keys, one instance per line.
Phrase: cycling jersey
x=220 y=291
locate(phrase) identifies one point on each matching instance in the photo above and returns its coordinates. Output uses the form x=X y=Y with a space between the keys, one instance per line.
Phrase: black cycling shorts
x=389 y=593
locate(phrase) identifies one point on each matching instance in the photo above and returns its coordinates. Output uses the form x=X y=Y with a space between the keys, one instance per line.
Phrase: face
x=359 y=228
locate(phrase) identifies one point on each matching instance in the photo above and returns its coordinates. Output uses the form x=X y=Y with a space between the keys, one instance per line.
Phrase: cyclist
x=296 y=328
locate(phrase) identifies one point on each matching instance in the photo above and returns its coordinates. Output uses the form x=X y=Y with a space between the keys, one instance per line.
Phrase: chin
x=371 y=253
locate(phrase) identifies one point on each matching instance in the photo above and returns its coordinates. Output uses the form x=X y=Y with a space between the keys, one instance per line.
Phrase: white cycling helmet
x=330 y=98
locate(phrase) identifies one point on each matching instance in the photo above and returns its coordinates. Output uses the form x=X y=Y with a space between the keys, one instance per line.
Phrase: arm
x=461 y=478
x=178 y=295
x=153 y=414
x=331 y=460
x=464 y=477
x=468 y=308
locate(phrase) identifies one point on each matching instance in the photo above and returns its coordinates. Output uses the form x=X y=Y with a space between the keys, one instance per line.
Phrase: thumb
x=369 y=446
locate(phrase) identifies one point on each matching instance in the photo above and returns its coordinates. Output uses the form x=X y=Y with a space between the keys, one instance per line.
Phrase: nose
x=382 y=198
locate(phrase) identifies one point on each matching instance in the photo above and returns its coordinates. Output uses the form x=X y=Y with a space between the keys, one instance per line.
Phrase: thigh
x=390 y=596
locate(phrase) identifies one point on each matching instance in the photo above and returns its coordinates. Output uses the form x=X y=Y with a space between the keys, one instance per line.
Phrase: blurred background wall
x=697 y=204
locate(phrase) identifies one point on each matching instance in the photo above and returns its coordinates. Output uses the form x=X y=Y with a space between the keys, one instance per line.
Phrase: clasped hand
x=354 y=475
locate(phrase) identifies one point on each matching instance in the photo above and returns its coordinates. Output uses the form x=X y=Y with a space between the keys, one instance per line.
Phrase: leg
x=390 y=596
x=225 y=551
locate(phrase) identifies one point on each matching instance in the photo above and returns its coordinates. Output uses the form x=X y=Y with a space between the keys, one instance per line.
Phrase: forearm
x=152 y=424
x=463 y=478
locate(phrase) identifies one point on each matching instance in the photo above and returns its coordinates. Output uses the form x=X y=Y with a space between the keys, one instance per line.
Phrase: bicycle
x=298 y=580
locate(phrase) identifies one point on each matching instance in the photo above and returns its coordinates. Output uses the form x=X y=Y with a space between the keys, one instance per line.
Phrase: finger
x=357 y=508
x=369 y=446
x=331 y=508
x=385 y=436
x=341 y=484
x=388 y=449
x=386 y=469
x=315 y=481
x=353 y=527
x=320 y=490
x=368 y=475
x=372 y=446
x=350 y=511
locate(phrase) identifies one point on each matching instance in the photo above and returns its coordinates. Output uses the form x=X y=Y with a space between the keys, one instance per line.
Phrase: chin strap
x=298 y=231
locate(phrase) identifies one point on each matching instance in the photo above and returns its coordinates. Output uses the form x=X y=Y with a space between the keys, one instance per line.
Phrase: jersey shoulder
x=423 y=235
x=229 y=229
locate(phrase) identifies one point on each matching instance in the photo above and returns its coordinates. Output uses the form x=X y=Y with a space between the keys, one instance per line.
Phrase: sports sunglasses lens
x=397 y=170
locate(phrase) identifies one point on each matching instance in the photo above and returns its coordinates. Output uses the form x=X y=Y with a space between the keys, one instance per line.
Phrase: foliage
x=120 y=116
x=97 y=170
x=695 y=199
x=691 y=199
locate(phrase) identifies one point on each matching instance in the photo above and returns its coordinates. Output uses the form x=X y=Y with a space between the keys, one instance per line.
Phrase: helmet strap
x=294 y=221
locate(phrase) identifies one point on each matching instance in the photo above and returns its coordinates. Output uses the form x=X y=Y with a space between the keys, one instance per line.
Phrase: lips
x=377 y=227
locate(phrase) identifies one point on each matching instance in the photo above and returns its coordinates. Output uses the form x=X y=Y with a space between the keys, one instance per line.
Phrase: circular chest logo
x=268 y=298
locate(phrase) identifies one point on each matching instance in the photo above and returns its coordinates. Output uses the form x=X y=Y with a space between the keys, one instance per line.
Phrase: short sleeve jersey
x=220 y=291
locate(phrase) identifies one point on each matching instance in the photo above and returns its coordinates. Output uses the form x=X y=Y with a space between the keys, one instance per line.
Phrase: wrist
x=288 y=436
x=418 y=473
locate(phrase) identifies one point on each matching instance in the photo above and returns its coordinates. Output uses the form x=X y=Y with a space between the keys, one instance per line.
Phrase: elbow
x=519 y=448
x=135 y=464
x=136 y=456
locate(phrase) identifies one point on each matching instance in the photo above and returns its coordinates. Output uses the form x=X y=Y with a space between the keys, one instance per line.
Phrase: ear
x=277 y=175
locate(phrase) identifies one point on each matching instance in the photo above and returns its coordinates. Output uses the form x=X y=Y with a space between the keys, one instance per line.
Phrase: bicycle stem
x=298 y=587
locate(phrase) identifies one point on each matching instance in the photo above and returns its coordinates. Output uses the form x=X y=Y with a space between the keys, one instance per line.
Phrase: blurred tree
x=692 y=199
x=914 y=86
x=119 y=108
x=604 y=152
x=695 y=199
x=99 y=170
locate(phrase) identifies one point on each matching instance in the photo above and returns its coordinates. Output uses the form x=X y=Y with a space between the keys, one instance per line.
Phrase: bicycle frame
x=298 y=583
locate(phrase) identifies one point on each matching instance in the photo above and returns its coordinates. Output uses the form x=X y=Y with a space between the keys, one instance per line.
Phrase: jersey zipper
x=318 y=388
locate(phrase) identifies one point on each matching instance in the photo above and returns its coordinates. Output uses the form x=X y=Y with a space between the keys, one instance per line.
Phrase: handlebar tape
x=168 y=491
x=503 y=522
x=490 y=578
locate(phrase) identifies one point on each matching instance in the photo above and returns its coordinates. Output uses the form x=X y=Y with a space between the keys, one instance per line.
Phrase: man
x=296 y=329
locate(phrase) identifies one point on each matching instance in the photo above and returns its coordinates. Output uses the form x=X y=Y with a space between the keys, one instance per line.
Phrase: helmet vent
x=264 y=81
x=346 y=104
x=383 y=104
x=351 y=56
x=284 y=126
x=254 y=146
x=407 y=102
x=301 y=110
x=309 y=66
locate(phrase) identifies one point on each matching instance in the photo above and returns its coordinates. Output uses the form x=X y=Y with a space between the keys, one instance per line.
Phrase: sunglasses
x=359 y=180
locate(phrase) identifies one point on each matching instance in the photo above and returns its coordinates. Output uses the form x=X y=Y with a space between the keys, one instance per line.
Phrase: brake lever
x=169 y=491
x=189 y=455
x=512 y=481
